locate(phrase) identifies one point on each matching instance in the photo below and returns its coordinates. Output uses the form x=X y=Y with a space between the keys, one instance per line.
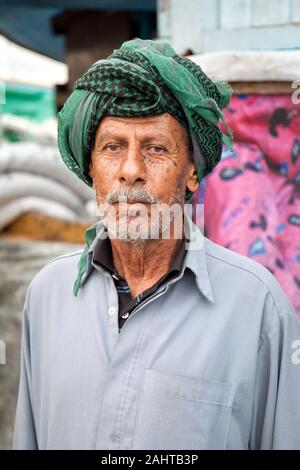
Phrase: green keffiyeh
x=144 y=78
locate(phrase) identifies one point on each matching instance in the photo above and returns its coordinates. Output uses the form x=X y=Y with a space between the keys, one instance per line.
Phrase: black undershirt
x=103 y=257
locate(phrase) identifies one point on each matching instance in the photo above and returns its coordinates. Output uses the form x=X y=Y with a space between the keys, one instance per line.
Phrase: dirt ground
x=19 y=262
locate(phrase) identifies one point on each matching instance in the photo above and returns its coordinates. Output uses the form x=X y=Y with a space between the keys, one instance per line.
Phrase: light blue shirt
x=210 y=361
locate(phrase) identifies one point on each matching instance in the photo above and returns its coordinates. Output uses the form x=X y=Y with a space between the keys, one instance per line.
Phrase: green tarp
x=35 y=103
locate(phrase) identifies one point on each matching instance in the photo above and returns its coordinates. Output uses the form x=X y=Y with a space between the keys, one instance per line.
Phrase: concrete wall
x=211 y=25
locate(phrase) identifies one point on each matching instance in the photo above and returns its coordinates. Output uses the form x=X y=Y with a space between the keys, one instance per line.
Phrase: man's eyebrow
x=109 y=134
x=158 y=137
x=105 y=134
x=148 y=138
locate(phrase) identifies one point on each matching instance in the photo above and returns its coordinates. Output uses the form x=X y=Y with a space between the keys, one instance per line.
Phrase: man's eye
x=112 y=147
x=157 y=149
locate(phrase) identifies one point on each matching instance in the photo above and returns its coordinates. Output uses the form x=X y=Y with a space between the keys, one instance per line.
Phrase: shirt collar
x=195 y=258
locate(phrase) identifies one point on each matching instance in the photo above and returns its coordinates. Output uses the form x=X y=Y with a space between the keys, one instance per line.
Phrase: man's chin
x=130 y=235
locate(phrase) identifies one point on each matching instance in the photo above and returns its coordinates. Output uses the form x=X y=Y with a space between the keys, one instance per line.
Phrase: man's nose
x=133 y=168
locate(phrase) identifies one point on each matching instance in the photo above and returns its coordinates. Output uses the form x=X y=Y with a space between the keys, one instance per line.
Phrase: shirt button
x=115 y=437
x=111 y=310
x=125 y=315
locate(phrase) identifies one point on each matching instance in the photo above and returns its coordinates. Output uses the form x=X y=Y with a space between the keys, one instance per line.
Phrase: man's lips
x=131 y=201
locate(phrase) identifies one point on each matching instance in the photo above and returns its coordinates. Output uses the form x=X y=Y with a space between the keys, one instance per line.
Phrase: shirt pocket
x=178 y=412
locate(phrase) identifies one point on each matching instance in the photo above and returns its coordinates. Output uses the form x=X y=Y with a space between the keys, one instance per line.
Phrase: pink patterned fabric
x=252 y=198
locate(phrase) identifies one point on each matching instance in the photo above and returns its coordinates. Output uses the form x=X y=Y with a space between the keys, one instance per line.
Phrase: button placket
x=112 y=308
x=156 y=294
x=114 y=428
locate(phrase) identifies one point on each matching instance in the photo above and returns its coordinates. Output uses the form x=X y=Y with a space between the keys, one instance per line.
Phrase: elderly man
x=167 y=341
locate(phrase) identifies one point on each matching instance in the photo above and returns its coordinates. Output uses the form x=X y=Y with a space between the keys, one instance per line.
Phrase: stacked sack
x=34 y=178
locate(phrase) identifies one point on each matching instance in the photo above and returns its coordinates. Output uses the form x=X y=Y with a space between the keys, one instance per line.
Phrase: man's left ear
x=91 y=171
x=192 y=182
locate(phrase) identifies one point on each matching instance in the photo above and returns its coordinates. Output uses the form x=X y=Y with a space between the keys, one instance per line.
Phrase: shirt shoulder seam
x=67 y=255
x=250 y=272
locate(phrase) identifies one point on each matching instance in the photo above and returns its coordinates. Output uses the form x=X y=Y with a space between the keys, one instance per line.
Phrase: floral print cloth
x=252 y=198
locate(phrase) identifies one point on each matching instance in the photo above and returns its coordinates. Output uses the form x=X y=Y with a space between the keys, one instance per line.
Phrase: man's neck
x=144 y=264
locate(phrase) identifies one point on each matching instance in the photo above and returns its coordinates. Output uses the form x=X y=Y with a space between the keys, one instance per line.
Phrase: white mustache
x=132 y=194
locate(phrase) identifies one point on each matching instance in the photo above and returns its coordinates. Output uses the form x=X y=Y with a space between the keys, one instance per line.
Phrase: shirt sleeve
x=276 y=416
x=24 y=431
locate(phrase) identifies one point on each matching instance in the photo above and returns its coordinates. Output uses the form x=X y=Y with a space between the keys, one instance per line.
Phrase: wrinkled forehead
x=163 y=126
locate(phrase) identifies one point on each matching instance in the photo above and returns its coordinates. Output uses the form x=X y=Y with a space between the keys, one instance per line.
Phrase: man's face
x=145 y=159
